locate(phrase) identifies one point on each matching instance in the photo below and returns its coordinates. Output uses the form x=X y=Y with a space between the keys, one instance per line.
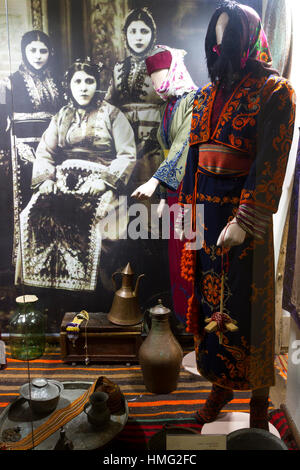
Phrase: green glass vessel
x=27 y=330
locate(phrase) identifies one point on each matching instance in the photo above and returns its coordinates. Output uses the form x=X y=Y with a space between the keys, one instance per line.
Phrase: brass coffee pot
x=125 y=310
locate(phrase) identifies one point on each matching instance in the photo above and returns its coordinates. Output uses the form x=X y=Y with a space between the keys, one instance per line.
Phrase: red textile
x=159 y=61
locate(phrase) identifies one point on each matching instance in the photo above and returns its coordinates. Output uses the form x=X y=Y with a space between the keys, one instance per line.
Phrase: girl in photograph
x=132 y=91
x=82 y=165
x=32 y=96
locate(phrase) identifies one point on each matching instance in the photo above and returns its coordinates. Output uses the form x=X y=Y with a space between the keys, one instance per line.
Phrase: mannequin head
x=140 y=31
x=36 y=50
x=221 y=26
x=235 y=44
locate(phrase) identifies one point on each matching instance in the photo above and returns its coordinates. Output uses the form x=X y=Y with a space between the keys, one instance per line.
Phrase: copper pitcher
x=125 y=310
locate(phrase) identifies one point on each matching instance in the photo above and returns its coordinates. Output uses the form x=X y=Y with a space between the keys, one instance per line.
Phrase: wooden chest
x=105 y=341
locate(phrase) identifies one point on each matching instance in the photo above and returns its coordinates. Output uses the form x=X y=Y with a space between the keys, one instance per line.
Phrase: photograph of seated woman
x=82 y=166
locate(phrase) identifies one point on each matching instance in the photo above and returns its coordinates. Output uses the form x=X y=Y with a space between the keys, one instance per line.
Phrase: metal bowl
x=254 y=439
x=42 y=394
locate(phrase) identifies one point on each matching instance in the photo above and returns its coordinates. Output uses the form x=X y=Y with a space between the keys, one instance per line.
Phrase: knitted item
x=259 y=413
x=216 y=400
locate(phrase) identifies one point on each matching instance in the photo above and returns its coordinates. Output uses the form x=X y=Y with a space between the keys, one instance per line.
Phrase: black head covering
x=244 y=45
x=36 y=35
x=141 y=14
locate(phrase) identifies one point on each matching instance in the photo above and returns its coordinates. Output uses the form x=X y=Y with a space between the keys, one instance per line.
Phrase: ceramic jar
x=97 y=411
x=42 y=394
x=160 y=355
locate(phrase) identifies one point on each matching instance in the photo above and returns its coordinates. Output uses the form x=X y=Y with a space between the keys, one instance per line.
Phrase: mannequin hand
x=231 y=235
x=146 y=190
x=48 y=187
x=161 y=207
x=179 y=222
x=94 y=188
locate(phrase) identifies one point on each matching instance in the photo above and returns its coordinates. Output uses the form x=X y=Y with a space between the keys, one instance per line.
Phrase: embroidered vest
x=237 y=123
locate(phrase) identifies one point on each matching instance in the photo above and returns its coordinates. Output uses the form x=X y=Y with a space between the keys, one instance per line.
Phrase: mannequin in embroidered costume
x=131 y=90
x=32 y=95
x=83 y=163
x=171 y=81
x=241 y=133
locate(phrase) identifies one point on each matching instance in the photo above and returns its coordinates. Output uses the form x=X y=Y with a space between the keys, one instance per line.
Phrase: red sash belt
x=218 y=160
x=221 y=160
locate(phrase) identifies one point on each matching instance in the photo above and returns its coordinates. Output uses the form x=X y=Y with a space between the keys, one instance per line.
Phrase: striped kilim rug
x=147 y=412
x=281 y=364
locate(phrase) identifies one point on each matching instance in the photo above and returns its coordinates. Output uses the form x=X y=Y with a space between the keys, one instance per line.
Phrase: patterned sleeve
x=44 y=164
x=171 y=171
x=262 y=190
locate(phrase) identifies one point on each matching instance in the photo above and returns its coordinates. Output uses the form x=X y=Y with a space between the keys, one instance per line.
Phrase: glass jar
x=27 y=335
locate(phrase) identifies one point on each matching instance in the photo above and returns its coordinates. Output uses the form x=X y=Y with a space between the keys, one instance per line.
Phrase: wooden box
x=106 y=342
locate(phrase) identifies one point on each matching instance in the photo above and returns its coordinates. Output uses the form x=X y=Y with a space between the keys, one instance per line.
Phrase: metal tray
x=78 y=430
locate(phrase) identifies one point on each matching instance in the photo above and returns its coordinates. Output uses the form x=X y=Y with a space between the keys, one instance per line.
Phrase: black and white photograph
x=149 y=226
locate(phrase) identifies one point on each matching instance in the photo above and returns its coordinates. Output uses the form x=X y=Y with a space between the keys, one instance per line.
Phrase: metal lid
x=41 y=389
x=159 y=309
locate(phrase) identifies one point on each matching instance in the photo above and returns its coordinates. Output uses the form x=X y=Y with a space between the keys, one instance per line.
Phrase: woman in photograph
x=132 y=91
x=82 y=165
x=32 y=97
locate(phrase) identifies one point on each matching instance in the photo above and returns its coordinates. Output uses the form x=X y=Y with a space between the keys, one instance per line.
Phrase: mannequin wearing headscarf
x=241 y=133
x=31 y=96
x=172 y=83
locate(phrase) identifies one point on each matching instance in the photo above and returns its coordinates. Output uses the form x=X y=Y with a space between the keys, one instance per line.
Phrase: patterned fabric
x=148 y=412
x=29 y=100
x=253 y=220
x=257 y=120
x=256 y=45
x=56 y=420
x=254 y=104
x=216 y=400
x=181 y=290
x=178 y=80
x=221 y=160
x=131 y=91
x=171 y=171
x=61 y=232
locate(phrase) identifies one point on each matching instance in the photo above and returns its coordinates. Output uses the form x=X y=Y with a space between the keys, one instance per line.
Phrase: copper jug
x=125 y=310
x=160 y=355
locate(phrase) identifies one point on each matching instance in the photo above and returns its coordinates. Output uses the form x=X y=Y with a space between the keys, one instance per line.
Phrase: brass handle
x=113 y=278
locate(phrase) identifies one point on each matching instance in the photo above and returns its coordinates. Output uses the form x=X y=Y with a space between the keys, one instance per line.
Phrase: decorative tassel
x=73 y=327
x=188 y=268
x=192 y=315
x=188 y=264
x=220 y=321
